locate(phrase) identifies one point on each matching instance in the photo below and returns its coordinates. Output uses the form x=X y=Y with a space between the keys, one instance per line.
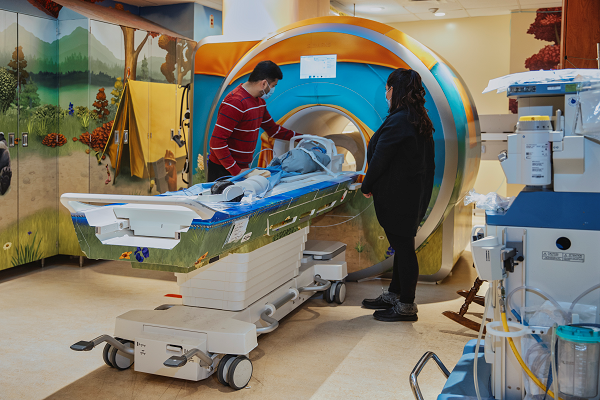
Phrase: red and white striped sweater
x=234 y=137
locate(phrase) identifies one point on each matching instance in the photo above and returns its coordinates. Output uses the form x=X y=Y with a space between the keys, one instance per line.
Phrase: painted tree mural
x=131 y=51
x=18 y=65
x=8 y=89
x=29 y=95
x=117 y=92
x=169 y=44
x=546 y=27
x=144 y=71
x=101 y=112
x=185 y=52
x=178 y=58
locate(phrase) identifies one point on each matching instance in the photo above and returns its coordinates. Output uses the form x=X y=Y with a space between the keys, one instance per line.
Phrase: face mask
x=265 y=96
x=388 y=101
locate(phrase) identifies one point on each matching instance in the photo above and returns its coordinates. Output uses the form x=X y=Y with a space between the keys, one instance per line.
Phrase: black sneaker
x=398 y=312
x=385 y=301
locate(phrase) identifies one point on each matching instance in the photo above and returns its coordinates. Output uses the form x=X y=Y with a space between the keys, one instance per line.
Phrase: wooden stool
x=470 y=297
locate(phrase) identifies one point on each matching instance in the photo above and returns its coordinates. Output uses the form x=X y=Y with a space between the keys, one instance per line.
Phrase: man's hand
x=367 y=195
x=244 y=170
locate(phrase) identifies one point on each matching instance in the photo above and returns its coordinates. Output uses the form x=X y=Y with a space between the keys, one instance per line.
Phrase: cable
x=257 y=156
x=516 y=352
x=553 y=361
x=565 y=314
x=570 y=62
x=582 y=295
x=499 y=186
x=340 y=223
x=185 y=95
x=481 y=327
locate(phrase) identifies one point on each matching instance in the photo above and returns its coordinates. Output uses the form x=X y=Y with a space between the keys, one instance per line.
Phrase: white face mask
x=265 y=96
x=388 y=101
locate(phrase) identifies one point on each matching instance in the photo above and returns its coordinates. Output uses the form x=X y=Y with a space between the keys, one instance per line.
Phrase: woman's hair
x=409 y=92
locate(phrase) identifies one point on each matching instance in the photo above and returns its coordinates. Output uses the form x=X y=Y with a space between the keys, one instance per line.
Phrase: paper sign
x=238 y=230
x=318 y=66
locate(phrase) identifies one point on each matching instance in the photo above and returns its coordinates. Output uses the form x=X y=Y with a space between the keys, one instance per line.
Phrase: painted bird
x=5 y=171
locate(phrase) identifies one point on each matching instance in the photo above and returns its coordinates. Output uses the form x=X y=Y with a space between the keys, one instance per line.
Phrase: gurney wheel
x=223 y=367
x=240 y=372
x=340 y=292
x=329 y=293
x=120 y=360
x=105 y=354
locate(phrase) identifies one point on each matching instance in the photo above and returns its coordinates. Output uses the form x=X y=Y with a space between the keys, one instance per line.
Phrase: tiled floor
x=320 y=351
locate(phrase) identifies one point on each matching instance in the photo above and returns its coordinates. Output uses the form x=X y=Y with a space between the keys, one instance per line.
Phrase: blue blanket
x=276 y=175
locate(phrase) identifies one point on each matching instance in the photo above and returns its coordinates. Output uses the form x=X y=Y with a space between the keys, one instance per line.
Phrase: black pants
x=216 y=171
x=406 y=267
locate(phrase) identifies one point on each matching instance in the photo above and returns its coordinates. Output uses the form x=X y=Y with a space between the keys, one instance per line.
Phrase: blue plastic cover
x=554 y=210
x=460 y=383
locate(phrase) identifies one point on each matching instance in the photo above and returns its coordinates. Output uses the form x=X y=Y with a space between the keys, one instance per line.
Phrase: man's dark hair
x=265 y=70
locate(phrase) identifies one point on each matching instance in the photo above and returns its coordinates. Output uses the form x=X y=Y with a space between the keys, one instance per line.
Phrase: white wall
x=478 y=48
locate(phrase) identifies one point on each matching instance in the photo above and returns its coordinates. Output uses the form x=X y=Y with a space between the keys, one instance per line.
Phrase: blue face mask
x=265 y=96
x=388 y=101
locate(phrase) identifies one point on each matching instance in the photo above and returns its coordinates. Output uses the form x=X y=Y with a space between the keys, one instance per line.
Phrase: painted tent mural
x=61 y=89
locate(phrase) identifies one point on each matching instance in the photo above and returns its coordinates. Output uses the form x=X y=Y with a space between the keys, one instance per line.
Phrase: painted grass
x=69 y=127
x=27 y=251
x=67 y=238
x=25 y=246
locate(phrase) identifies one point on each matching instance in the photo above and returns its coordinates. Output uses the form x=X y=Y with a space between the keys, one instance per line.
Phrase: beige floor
x=320 y=351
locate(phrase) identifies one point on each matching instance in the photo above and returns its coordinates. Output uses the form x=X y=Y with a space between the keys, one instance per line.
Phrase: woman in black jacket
x=400 y=180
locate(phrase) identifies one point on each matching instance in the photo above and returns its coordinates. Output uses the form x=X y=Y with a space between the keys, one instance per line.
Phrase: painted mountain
x=72 y=55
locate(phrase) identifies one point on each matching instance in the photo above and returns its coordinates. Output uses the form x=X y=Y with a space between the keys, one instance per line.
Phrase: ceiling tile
x=449 y=15
x=380 y=9
x=370 y=8
x=423 y=7
x=506 y=4
x=526 y=3
x=485 y=12
x=388 y=19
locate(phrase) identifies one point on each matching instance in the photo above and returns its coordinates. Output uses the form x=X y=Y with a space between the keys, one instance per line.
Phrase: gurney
x=241 y=265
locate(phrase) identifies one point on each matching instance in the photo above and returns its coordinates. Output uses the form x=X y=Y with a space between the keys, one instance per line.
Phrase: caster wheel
x=223 y=368
x=329 y=293
x=120 y=360
x=340 y=292
x=240 y=372
x=105 y=354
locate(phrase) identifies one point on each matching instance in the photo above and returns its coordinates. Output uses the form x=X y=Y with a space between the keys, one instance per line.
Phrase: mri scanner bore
x=242 y=266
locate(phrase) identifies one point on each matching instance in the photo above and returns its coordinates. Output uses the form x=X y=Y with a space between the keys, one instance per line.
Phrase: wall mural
x=545 y=27
x=60 y=95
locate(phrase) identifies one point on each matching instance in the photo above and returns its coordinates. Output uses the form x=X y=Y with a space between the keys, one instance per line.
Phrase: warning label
x=533 y=150
x=556 y=256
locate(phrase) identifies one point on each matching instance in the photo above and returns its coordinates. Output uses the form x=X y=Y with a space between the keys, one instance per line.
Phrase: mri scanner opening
x=334 y=124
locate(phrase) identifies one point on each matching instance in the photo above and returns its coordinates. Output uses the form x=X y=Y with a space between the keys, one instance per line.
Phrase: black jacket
x=400 y=174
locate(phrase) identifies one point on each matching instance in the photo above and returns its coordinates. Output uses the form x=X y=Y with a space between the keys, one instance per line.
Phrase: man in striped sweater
x=241 y=114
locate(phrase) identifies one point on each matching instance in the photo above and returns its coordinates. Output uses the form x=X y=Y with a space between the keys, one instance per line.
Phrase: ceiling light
x=439 y=14
x=374 y=8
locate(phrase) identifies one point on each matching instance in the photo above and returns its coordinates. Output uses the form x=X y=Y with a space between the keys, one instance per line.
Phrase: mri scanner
x=241 y=267
x=366 y=52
